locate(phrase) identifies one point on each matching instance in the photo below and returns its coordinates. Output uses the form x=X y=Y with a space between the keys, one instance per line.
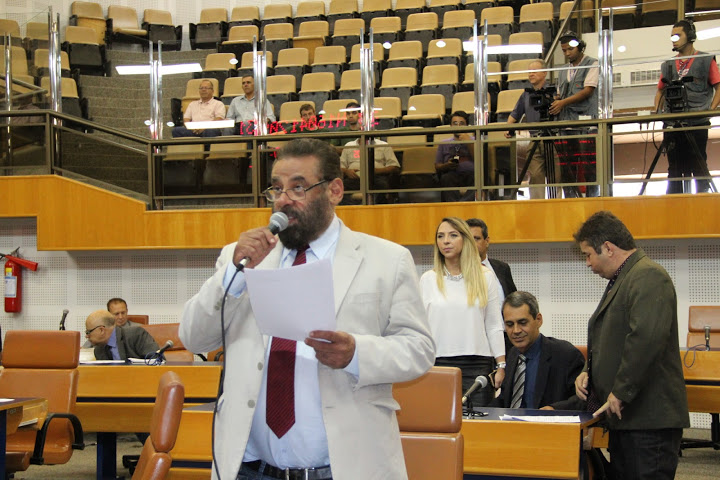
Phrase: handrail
x=560 y=33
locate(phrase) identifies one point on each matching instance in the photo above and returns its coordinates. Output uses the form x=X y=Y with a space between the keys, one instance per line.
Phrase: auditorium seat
x=388 y=112
x=538 y=17
x=247 y=15
x=278 y=36
x=624 y=14
x=425 y=110
x=162 y=332
x=658 y=12
x=309 y=11
x=41 y=63
x=276 y=13
x=405 y=8
x=386 y=29
x=18 y=61
x=478 y=6
x=317 y=87
x=378 y=59
x=493 y=40
x=464 y=102
x=290 y=112
x=526 y=38
x=710 y=6
x=408 y=53
x=441 y=7
x=312 y=35
x=506 y=104
x=220 y=66
x=375 y=9
x=422 y=27
x=226 y=169
x=349 y=85
x=210 y=30
x=180 y=169
x=246 y=64
x=123 y=26
x=232 y=88
x=399 y=82
x=83 y=50
x=587 y=15
x=281 y=89
x=440 y=79
x=144 y=319
x=293 y=61
x=492 y=67
x=341 y=9
x=160 y=27
x=700 y=316
x=347 y=31
x=444 y=51
x=240 y=40
x=331 y=108
x=458 y=24
x=90 y=15
x=330 y=59
x=36 y=36
x=8 y=26
x=72 y=103
x=520 y=79
x=500 y=22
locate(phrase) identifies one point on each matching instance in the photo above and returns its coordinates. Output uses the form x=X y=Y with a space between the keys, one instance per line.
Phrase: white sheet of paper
x=291 y=302
x=543 y=418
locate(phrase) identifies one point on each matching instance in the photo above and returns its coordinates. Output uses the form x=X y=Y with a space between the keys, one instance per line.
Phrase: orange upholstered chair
x=162 y=332
x=699 y=317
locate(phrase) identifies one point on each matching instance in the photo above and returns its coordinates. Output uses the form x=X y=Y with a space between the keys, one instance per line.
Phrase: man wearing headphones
x=577 y=92
x=703 y=77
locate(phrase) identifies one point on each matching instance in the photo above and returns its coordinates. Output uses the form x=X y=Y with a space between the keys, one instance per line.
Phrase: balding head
x=99 y=327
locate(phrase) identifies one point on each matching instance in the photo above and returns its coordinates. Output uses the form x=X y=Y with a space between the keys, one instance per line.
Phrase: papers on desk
x=100 y=362
x=543 y=418
x=291 y=302
x=30 y=421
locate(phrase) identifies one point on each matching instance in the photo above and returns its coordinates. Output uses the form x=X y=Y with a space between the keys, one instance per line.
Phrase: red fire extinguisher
x=13 y=280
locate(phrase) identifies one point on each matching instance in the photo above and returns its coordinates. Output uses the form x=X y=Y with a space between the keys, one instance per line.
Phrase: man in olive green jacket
x=633 y=361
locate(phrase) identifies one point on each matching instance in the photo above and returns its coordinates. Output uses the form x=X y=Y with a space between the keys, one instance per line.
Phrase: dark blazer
x=132 y=342
x=502 y=271
x=634 y=349
x=560 y=364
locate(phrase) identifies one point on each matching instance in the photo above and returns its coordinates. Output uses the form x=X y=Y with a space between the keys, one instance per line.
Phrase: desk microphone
x=278 y=222
x=480 y=382
x=168 y=345
x=707 y=337
x=62 y=320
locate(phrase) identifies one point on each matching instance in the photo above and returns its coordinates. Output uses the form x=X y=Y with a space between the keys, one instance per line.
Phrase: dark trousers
x=457 y=179
x=644 y=454
x=471 y=366
x=683 y=160
x=184 y=132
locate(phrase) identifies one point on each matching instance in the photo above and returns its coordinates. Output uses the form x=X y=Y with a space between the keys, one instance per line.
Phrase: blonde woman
x=463 y=306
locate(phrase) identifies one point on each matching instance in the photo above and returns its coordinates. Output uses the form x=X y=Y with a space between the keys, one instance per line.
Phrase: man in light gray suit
x=341 y=423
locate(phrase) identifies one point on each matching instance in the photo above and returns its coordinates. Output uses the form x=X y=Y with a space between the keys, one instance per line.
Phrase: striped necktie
x=280 y=399
x=518 y=383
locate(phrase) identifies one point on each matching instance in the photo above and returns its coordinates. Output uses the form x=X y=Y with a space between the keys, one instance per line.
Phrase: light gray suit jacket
x=377 y=300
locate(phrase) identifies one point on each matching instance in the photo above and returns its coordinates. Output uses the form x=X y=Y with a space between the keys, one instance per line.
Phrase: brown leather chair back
x=698 y=317
x=41 y=364
x=162 y=332
x=141 y=319
x=155 y=459
x=430 y=419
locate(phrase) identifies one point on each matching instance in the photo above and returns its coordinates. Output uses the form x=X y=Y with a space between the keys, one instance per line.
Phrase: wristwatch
x=501 y=365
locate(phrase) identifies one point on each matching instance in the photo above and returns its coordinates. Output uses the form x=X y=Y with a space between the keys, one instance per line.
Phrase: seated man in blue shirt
x=540 y=370
x=117 y=343
x=454 y=162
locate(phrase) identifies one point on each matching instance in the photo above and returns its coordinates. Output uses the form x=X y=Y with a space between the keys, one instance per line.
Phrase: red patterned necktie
x=280 y=401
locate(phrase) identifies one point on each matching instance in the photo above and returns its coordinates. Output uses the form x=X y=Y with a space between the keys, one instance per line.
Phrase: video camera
x=541 y=100
x=676 y=95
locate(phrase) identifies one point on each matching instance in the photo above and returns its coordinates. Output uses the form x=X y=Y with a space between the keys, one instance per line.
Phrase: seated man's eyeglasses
x=295 y=193
x=88 y=332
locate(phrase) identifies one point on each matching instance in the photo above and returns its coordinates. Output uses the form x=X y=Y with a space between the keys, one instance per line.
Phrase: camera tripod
x=697 y=156
x=549 y=150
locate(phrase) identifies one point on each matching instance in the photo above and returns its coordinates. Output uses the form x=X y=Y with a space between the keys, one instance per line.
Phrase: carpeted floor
x=695 y=464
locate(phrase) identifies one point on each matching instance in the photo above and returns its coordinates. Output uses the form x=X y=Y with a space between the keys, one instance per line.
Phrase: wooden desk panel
x=702 y=380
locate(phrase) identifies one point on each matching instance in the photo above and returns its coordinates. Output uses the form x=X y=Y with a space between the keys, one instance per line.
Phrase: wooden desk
x=701 y=369
x=13 y=412
x=119 y=398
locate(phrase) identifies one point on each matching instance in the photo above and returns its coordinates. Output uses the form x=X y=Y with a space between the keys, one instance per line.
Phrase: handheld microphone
x=278 y=222
x=480 y=382
x=168 y=345
x=62 y=320
x=707 y=337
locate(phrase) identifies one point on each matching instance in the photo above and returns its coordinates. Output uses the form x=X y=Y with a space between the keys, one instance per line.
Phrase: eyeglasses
x=206 y=88
x=88 y=332
x=295 y=193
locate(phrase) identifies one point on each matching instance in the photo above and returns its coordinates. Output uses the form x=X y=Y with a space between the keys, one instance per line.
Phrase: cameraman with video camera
x=686 y=85
x=531 y=106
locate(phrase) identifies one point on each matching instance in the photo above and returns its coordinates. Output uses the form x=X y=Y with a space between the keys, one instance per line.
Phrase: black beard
x=310 y=223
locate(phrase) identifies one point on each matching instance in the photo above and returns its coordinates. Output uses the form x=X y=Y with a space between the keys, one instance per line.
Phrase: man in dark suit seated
x=541 y=371
x=117 y=343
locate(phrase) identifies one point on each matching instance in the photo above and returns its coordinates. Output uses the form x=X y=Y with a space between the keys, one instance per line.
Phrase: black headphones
x=689 y=27
x=574 y=40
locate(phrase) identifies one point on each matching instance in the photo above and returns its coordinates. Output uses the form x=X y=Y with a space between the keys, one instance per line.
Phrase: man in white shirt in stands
x=242 y=109
x=206 y=109
x=386 y=172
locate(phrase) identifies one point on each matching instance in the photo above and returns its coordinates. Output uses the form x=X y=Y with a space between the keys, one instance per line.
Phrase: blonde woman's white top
x=460 y=329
